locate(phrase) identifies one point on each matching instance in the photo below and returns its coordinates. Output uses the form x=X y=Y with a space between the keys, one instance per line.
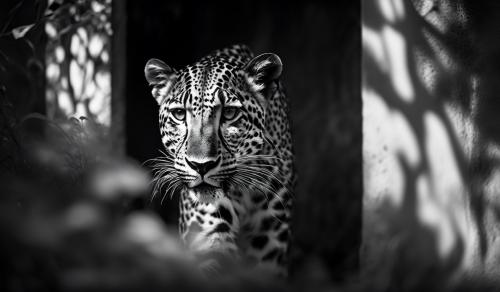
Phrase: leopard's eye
x=230 y=113
x=179 y=113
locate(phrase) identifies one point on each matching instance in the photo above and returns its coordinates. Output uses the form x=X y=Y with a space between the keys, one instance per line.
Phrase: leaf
x=21 y=31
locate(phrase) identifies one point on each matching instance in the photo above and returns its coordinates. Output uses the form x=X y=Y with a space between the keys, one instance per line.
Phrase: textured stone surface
x=429 y=155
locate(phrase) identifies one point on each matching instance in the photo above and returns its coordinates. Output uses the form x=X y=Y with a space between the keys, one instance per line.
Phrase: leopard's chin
x=207 y=193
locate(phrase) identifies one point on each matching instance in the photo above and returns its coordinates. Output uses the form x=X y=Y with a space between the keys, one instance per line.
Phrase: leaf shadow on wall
x=428 y=73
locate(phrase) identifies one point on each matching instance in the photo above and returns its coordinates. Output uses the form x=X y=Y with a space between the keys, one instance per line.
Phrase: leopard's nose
x=202 y=167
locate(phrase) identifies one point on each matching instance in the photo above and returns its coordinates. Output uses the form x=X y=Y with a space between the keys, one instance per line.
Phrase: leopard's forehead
x=199 y=82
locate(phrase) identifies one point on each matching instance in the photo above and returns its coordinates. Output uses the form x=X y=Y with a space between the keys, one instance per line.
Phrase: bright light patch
x=396 y=51
x=90 y=90
x=65 y=103
x=373 y=47
x=53 y=72
x=103 y=80
x=75 y=45
x=399 y=8
x=81 y=56
x=443 y=165
x=59 y=54
x=448 y=190
x=105 y=56
x=392 y=10
x=435 y=217
x=50 y=30
x=405 y=141
x=89 y=73
x=82 y=33
x=380 y=152
x=95 y=46
x=97 y=7
x=387 y=10
x=76 y=78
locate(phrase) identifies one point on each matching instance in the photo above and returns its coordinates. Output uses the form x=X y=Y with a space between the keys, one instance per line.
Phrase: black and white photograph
x=218 y=145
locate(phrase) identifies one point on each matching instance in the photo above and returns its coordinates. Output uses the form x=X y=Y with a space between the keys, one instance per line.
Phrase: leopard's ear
x=161 y=77
x=262 y=72
x=264 y=69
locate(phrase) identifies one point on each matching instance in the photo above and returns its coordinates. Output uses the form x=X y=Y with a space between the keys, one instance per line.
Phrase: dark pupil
x=179 y=114
x=229 y=113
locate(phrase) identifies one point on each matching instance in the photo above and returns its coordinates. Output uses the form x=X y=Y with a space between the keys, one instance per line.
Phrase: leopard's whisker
x=266 y=172
x=254 y=173
x=248 y=181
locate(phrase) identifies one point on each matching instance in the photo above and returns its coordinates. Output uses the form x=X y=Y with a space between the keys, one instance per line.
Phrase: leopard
x=227 y=152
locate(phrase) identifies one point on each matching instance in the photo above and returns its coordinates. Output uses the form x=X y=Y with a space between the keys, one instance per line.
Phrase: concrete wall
x=430 y=142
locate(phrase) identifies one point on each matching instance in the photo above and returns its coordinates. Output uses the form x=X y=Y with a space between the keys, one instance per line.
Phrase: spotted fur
x=224 y=125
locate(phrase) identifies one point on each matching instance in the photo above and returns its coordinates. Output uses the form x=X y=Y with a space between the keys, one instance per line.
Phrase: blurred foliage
x=72 y=219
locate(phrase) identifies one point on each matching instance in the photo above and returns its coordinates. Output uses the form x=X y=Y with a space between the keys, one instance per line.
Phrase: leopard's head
x=212 y=119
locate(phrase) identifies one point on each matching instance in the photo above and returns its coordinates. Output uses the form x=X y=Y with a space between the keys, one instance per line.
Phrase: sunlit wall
x=78 y=61
x=424 y=200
